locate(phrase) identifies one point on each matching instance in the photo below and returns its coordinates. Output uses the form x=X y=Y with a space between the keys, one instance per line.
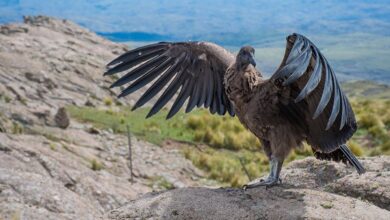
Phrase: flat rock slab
x=275 y=203
x=311 y=189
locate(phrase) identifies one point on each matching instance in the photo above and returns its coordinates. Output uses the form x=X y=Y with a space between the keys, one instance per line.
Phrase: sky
x=353 y=34
x=211 y=20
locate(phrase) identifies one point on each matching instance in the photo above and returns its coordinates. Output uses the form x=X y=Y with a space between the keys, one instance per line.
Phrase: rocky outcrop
x=51 y=175
x=311 y=189
x=48 y=63
x=80 y=172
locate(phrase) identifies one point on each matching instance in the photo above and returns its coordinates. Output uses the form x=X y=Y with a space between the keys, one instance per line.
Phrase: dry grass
x=228 y=140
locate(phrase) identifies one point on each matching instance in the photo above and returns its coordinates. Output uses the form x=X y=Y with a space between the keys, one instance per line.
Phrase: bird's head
x=246 y=56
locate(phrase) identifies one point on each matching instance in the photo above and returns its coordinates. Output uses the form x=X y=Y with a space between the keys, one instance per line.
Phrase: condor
x=301 y=101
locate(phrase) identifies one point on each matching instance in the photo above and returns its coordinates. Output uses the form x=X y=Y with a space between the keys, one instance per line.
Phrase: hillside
x=353 y=35
x=80 y=172
x=64 y=149
x=367 y=90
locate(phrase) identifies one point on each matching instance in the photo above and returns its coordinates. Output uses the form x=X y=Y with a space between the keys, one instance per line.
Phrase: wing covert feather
x=316 y=94
x=195 y=68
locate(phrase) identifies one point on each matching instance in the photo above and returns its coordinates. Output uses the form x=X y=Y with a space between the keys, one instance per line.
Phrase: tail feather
x=352 y=159
x=342 y=154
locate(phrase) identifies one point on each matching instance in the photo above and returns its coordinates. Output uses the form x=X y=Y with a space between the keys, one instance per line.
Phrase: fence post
x=130 y=153
x=245 y=170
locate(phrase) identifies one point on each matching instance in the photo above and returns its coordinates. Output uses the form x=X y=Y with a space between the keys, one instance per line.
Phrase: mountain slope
x=79 y=172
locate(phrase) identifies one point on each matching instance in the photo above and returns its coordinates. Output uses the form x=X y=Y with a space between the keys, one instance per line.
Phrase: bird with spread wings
x=301 y=101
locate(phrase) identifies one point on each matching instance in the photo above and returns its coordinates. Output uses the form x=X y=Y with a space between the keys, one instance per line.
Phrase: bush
x=305 y=150
x=385 y=147
x=355 y=148
x=107 y=101
x=221 y=132
x=96 y=165
x=378 y=131
x=161 y=183
x=225 y=166
x=386 y=118
x=17 y=128
x=367 y=120
x=195 y=122
x=217 y=139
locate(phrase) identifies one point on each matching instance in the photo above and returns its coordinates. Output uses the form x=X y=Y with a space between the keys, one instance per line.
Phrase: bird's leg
x=273 y=178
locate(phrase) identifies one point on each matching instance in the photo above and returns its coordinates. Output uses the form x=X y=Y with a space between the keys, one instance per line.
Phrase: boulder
x=311 y=189
x=62 y=118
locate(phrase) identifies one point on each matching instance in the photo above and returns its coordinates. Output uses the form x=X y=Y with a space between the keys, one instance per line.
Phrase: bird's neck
x=241 y=84
x=242 y=68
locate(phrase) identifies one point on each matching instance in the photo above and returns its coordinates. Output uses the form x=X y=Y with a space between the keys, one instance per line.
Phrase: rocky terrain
x=311 y=189
x=53 y=167
x=48 y=172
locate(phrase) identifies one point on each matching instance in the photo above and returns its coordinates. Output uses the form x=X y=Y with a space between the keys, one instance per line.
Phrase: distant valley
x=354 y=35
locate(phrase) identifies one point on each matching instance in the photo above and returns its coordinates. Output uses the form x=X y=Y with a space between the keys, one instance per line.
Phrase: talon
x=272 y=180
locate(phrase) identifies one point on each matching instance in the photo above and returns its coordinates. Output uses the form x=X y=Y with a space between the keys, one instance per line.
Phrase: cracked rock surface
x=52 y=167
x=311 y=189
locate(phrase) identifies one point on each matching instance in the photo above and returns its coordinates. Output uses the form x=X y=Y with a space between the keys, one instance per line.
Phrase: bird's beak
x=252 y=61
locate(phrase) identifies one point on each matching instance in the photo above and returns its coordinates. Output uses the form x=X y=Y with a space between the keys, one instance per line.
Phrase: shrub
x=378 y=131
x=386 y=118
x=367 y=120
x=107 y=101
x=375 y=152
x=96 y=165
x=355 y=148
x=195 y=122
x=221 y=132
x=233 y=141
x=199 y=136
x=6 y=98
x=225 y=166
x=385 y=147
x=53 y=146
x=305 y=150
x=17 y=128
x=161 y=183
x=217 y=139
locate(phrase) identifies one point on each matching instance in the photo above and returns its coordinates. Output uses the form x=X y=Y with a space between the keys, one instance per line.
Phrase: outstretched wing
x=316 y=100
x=196 y=69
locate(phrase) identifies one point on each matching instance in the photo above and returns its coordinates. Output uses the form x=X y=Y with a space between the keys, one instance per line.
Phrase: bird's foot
x=268 y=183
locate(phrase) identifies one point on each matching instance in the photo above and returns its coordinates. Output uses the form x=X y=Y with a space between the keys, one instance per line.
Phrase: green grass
x=221 y=132
x=107 y=101
x=17 y=128
x=366 y=89
x=161 y=183
x=155 y=129
x=96 y=165
x=224 y=165
x=227 y=141
x=5 y=98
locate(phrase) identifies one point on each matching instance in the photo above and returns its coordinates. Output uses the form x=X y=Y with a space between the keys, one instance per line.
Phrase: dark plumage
x=302 y=101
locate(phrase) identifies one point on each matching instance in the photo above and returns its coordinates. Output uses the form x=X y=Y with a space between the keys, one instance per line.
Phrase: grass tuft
x=96 y=165
x=107 y=101
x=228 y=141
